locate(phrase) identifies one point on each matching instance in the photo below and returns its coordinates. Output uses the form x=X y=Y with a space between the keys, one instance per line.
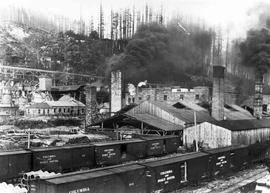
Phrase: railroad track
x=229 y=184
x=236 y=187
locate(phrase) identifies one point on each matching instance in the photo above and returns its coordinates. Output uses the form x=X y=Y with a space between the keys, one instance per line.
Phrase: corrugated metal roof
x=185 y=115
x=157 y=122
x=68 y=98
x=39 y=106
x=64 y=104
x=237 y=125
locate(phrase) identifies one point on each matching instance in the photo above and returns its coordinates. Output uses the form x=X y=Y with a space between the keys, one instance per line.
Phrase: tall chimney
x=218 y=93
x=90 y=104
x=258 y=97
x=116 y=91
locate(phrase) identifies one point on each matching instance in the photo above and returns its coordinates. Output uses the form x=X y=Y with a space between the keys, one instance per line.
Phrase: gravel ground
x=226 y=184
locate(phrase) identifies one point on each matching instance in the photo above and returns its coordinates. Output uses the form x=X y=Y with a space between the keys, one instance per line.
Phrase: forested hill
x=37 y=48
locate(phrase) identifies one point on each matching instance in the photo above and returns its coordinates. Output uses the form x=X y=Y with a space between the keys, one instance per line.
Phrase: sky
x=231 y=15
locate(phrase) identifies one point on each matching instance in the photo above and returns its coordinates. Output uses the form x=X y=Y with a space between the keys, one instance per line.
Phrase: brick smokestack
x=90 y=104
x=258 y=97
x=218 y=93
x=116 y=91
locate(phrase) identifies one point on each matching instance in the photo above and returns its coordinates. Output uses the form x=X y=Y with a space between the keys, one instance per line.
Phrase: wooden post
x=142 y=127
x=196 y=135
x=28 y=141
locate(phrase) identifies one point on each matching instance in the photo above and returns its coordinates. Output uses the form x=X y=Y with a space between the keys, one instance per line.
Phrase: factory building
x=168 y=94
x=65 y=106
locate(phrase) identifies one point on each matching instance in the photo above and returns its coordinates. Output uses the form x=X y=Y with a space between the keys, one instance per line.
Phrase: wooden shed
x=228 y=132
x=248 y=131
x=210 y=135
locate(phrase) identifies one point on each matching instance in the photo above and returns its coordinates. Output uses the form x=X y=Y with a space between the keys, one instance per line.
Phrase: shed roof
x=189 y=105
x=157 y=122
x=185 y=115
x=238 y=125
x=235 y=112
x=65 y=104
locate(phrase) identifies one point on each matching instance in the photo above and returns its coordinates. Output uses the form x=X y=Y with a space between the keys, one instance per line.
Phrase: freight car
x=163 y=175
x=121 y=179
x=227 y=159
x=77 y=157
x=14 y=163
x=63 y=159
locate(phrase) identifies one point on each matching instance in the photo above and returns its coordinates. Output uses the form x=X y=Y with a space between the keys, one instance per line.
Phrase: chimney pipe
x=90 y=104
x=116 y=92
x=218 y=93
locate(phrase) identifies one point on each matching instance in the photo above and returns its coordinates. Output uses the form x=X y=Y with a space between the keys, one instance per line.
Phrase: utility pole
x=196 y=134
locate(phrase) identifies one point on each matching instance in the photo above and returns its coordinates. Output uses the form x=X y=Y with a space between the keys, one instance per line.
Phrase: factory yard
x=240 y=182
x=13 y=137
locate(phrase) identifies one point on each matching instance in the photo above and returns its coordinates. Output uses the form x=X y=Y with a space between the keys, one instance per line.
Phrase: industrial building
x=65 y=106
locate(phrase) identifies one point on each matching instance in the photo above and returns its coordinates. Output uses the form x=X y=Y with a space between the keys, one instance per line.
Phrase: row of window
x=68 y=110
x=165 y=97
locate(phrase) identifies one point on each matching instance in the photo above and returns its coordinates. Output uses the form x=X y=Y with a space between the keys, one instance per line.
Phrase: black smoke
x=164 y=54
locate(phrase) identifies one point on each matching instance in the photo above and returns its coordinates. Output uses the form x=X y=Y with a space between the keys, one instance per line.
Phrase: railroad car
x=163 y=175
x=171 y=143
x=239 y=157
x=14 y=163
x=154 y=146
x=63 y=159
x=120 y=179
x=174 y=173
x=226 y=159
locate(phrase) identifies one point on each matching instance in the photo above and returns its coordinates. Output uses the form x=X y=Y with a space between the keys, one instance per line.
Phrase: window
x=129 y=100
x=64 y=110
x=68 y=110
x=38 y=111
x=183 y=172
x=140 y=98
x=82 y=110
x=148 y=97
x=54 y=110
x=133 y=100
x=165 y=97
x=181 y=96
x=59 y=110
x=48 y=111
x=28 y=111
x=197 y=97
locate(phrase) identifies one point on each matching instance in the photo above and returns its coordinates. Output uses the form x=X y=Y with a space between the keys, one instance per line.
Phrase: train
x=153 y=176
x=83 y=156
x=120 y=166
